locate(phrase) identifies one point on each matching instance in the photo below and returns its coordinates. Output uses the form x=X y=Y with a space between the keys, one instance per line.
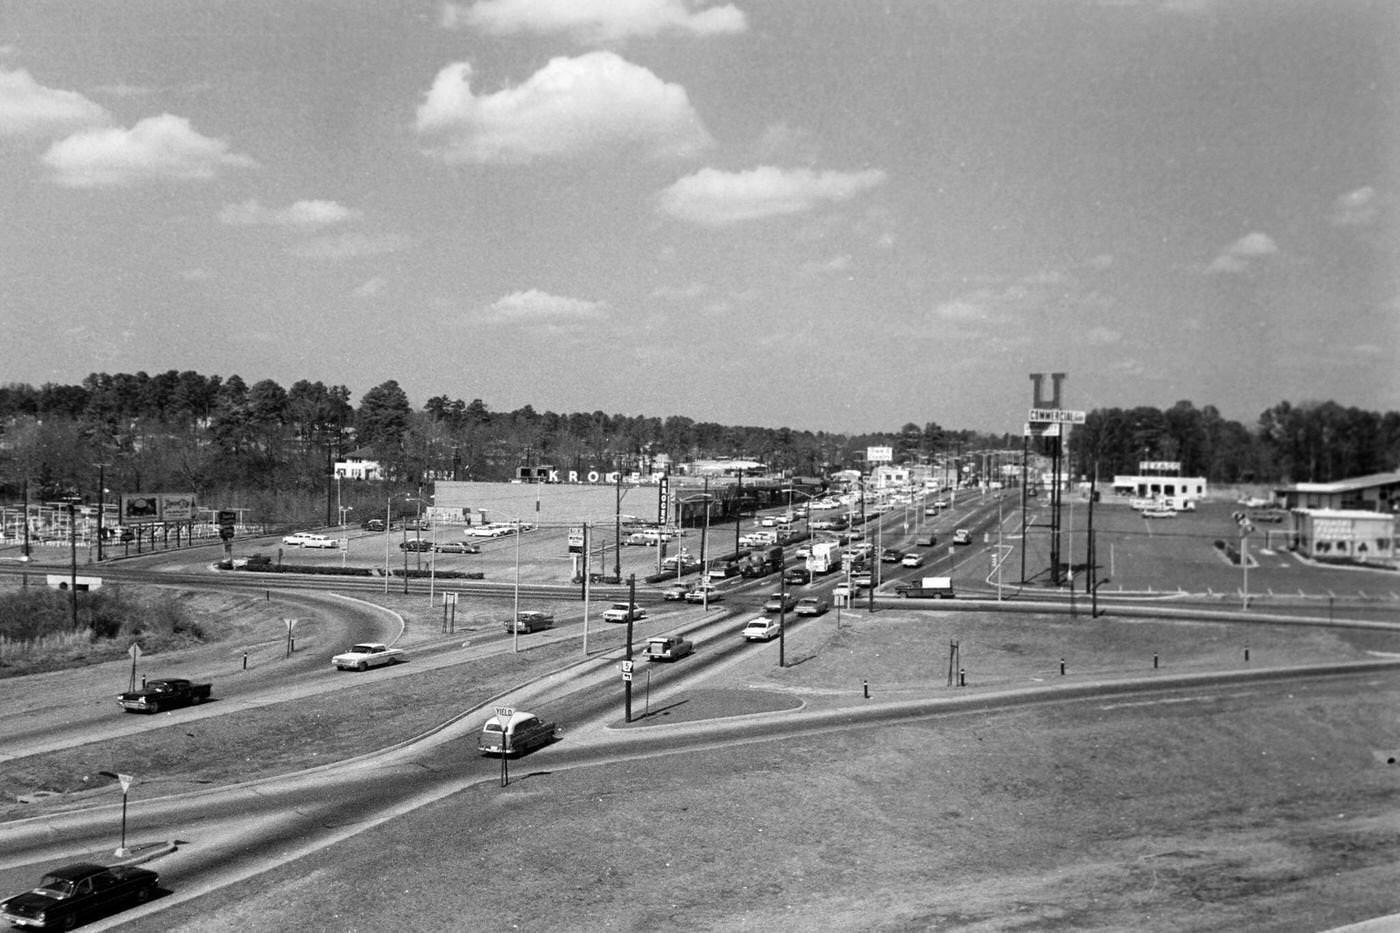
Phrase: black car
x=798 y=575
x=77 y=893
x=416 y=544
x=373 y=524
x=891 y=556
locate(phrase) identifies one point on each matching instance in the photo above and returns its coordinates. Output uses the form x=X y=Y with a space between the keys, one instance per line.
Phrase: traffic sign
x=627 y=666
x=504 y=712
x=126 y=780
x=626 y=675
x=134 y=651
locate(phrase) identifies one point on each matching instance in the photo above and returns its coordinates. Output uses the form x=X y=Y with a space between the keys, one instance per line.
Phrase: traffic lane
x=68 y=708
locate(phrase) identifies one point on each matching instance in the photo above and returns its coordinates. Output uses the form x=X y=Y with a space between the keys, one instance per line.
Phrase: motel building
x=1348 y=520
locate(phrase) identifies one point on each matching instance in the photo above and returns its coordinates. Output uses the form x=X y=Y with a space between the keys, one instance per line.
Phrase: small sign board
x=504 y=712
x=126 y=780
x=627 y=666
x=1056 y=416
x=626 y=675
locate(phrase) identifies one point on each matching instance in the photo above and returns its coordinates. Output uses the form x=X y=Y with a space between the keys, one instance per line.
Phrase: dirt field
x=1259 y=808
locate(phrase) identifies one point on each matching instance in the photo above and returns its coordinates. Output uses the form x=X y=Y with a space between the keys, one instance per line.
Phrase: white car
x=761 y=629
x=296 y=538
x=618 y=613
x=364 y=656
x=912 y=560
x=846 y=591
x=319 y=541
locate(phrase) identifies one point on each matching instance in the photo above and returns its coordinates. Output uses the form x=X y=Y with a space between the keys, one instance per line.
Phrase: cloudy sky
x=826 y=214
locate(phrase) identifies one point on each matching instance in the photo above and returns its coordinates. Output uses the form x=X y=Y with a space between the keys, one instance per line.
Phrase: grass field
x=1244 y=809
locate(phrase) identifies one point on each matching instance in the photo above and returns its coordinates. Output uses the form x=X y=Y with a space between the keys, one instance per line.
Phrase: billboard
x=879 y=454
x=149 y=508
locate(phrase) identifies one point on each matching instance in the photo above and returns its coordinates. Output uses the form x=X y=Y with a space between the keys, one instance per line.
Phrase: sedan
x=705 y=594
x=78 y=893
x=891 y=556
x=761 y=629
x=416 y=544
x=457 y=547
x=812 y=606
x=912 y=560
x=962 y=536
x=780 y=602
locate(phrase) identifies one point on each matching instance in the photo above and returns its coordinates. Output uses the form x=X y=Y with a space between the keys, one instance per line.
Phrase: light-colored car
x=761 y=629
x=618 y=612
x=675 y=592
x=456 y=547
x=319 y=541
x=515 y=734
x=296 y=538
x=962 y=536
x=812 y=606
x=846 y=591
x=704 y=593
x=363 y=656
x=912 y=560
x=780 y=602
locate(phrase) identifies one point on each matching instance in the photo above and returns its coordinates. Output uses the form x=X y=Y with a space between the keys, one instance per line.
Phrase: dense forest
x=259 y=445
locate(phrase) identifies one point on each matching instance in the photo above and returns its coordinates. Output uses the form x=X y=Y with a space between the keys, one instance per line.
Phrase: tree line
x=266 y=447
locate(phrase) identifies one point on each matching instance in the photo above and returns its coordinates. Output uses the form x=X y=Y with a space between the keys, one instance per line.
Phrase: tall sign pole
x=1047 y=414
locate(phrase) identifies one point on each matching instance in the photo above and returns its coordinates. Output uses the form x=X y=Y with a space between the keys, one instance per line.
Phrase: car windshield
x=55 y=886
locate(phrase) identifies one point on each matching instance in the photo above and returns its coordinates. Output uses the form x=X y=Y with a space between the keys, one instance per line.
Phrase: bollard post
x=245 y=659
x=962 y=677
x=866 y=683
x=1062 y=667
x=1246 y=653
x=1154 y=661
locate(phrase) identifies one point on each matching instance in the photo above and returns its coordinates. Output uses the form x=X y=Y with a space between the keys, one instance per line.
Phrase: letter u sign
x=1038 y=381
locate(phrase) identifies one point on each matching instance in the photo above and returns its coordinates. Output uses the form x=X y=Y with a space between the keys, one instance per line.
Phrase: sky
x=840 y=215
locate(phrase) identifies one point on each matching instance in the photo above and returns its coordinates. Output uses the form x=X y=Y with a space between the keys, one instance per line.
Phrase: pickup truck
x=167 y=693
x=515 y=734
x=364 y=656
x=668 y=648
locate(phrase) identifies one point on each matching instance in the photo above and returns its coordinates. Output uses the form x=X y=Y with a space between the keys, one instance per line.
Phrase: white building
x=1345 y=534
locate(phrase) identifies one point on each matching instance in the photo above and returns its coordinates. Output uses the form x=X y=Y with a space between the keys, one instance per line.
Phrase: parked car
x=962 y=536
x=761 y=628
x=296 y=538
x=416 y=544
x=686 y=562
x=417 y=524
x=166 y=693
x=812 y=606
x=780 y=602
x=457 y=547
x=668 y=648
x=618 y=612
x=78 y=893
x=365 y=655
x=372 y=524
x=912 y=560
x=530 y=620
x=515 y=734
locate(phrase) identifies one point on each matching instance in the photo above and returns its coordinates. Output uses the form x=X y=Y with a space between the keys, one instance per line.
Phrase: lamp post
x=73 y=559
x=515 y=625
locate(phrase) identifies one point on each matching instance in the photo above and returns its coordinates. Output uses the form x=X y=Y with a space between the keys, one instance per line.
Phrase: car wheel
x=70 y=922
x=153 y=706
x=362 y=666
x=143 y=895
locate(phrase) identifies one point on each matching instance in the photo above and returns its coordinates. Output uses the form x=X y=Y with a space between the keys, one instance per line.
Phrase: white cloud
x=370 y=288
x=596 y=103
x=716 y=198
x=1103 y=336
x=594 y=21
x=303 y=215
x=958 y=310
x=1240 y=255
x=679 y=293
x=535 y=305
x=163 y=147
x=27 y=108
x=1356 y=208
x=348 y=245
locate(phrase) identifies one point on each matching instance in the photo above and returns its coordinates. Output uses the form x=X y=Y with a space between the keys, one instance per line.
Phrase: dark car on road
x=416 y=544
x=797 y=576
x=457 y=547
x=373 y=524
x=78 y=893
